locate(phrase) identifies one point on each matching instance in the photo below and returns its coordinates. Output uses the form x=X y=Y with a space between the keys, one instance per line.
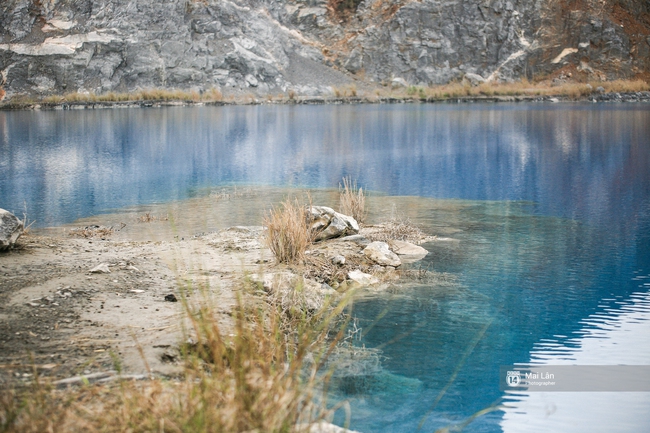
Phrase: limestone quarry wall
x=268 y=46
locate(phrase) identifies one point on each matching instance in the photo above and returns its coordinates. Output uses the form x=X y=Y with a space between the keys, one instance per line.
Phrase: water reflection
x=612 y=337
x=561 y=225
x=577 y=161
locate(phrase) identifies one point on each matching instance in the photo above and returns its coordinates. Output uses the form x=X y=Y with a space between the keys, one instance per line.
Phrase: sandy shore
x=64 y=320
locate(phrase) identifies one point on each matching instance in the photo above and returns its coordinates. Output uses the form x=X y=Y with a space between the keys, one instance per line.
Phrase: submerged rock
x=362 y=278
x=11 y=228
x=379 y=253
x=329 y=224
x=407 y=252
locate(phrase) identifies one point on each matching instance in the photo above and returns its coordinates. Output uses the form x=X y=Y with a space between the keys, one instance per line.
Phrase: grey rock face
x=11 y=228
x=269 y=46
x=123 y=45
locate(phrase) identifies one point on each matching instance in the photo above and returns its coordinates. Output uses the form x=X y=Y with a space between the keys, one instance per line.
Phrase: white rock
x=338 y=260
x=329 y=224
x=101 y=268
x=398 y=82
x=10 y=229
x=379 y=253
x=403 y=248
x=362 y=278
x=407 y=252
x=474 y=79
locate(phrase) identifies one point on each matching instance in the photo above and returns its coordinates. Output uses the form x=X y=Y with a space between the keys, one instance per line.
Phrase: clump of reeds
x=288 y=233
x=352 y=200
x=263 y=376
x=93 y=231
x=149 y=217
x=397 y=228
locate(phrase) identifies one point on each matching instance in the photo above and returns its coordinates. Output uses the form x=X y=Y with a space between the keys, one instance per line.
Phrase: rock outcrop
x=11 y=228
x=311 y=47
x=326 y=223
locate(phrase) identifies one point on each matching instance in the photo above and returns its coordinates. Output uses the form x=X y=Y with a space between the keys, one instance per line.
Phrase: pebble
x=101 y=268
x=171 y=298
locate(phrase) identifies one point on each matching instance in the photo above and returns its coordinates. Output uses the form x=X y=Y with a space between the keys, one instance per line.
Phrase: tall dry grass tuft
x=266 y=375
x=288 y=231
x=352 y=200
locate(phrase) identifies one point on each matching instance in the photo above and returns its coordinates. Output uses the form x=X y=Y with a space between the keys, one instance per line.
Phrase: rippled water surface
x=542 y=213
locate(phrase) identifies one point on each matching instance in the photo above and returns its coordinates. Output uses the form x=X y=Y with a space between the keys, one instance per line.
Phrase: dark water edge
x=596 y=97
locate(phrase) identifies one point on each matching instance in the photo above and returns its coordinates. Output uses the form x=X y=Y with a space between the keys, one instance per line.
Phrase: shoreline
x=607 y=97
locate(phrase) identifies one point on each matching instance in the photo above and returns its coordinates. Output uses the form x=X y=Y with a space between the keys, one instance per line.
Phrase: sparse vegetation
x=572 y=89
x=288 y=231
x=263 y=377
x=352 y=200
x=397 y=228
x=94 y=231
x=149 y=217
x=210 y=95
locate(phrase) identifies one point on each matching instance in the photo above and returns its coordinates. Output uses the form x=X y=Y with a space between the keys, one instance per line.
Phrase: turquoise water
x=545 y=210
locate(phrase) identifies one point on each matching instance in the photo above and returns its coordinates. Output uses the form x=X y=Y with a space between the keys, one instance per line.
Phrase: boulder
x=362 y=278
x=329 y=224
x=10 y=229
x=379 y=253
x=403 y=248
x=407 y=252
x=474 y=79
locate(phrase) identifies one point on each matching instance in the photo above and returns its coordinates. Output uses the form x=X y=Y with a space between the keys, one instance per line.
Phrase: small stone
x=171 y=298
x=338 y=260
x=362 y=278
x=101 y=268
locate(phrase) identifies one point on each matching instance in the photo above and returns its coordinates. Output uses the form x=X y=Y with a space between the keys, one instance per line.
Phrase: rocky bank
x=75 y=303
x=312 y=47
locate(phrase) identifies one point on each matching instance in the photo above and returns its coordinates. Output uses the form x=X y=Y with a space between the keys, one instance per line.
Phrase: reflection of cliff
x=266 y=47
x=577 y=163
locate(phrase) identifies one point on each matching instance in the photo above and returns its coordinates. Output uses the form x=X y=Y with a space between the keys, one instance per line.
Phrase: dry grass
x=345 y=91
x=352 y=200
x=149 y=217
x=570 y=89
x=288 y=233
x=93 y=231
x=397 y=228
x=264 y=378
x=209 y=95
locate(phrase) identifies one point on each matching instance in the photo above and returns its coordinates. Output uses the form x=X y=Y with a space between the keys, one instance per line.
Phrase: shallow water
x=546 y=209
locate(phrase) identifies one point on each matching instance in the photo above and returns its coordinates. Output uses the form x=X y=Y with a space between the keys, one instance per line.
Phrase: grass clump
x=288 y=233
x=94 y=231
x=352 y=200
x=397 y=228
x=264 y=376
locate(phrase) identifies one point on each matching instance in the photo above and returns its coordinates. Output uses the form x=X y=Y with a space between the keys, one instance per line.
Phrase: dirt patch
x=61 y=319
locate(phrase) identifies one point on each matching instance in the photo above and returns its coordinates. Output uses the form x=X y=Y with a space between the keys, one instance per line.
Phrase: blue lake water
x=546 y=209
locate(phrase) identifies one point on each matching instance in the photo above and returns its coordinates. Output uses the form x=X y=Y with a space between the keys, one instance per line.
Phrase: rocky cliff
x=275 y=46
